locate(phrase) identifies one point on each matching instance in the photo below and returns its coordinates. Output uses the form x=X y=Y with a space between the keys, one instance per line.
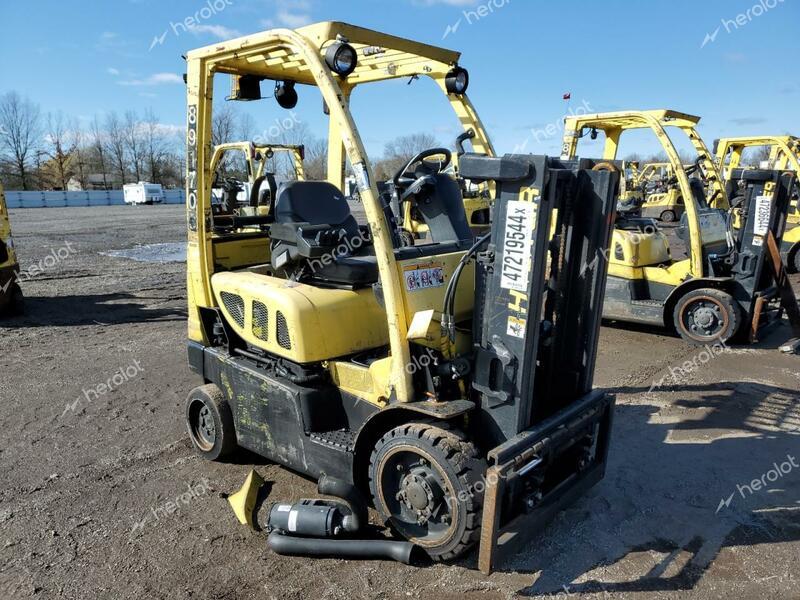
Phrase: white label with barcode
x=763 y=214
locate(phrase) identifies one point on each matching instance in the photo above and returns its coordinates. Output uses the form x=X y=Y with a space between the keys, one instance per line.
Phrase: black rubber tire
x=668 y=216
x=456 y=461
x=17 y=302
x=407 y=238
x=727 y=316
x=793 y=264
x=209 y=401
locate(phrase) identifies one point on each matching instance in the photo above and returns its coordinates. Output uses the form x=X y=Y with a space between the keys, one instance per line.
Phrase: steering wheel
x=696 y=166
x=414 y=180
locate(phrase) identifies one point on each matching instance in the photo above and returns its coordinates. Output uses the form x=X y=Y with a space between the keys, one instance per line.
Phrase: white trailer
x=143 y=193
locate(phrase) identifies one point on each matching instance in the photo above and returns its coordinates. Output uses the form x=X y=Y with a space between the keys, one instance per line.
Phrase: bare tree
x=78 y=142
x=20 y=134
x=223 y=126
x=115 y=140
x=399 y=151
x=99 y=148
x=154 y=149
x=60 y=149
x=134 y=143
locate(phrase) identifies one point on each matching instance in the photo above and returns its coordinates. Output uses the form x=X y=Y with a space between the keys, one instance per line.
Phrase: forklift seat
x=315 y=229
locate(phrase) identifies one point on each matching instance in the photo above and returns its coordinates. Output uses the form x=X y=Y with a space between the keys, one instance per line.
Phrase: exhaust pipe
x=358 y=517
x=331 y=548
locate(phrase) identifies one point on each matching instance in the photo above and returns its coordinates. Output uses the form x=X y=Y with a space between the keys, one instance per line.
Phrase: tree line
x=51 y=151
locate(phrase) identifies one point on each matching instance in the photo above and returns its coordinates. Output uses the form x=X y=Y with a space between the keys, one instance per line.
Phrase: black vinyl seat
x=316 y=231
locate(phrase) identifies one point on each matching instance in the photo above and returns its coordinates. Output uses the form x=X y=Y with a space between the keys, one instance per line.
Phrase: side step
x=341 y=439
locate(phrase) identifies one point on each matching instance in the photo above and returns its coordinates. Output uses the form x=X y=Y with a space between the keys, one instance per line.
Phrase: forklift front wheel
x=707 y=316
x=426 y=483
x=794 y=260
x=210 y=423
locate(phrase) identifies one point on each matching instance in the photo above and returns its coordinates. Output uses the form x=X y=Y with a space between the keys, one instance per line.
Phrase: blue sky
x=87 y=57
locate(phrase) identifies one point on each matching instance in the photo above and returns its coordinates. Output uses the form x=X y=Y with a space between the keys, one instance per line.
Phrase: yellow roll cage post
x=10 y=293
x=255 y=166
x=298 y=56
x=613 y=124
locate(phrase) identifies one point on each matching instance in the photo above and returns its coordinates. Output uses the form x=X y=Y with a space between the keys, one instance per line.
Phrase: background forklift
x=252 y=191
x=726 y=283
x=783 y=154
x=450 y=382
x=11 y=299
x=662 y=194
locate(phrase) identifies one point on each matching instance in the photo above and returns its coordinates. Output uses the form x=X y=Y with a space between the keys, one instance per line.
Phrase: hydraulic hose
x=448 y=309
x=331 y=548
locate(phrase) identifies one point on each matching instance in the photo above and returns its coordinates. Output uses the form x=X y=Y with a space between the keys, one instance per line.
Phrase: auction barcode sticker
x=763 y=214
x=517 y=244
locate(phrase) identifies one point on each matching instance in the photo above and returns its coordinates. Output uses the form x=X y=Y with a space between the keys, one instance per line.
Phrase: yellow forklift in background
x=662 y=195
x=11 y=299
x=727 y=283
x=450 y=382
x=254 y=190
x=784 y=154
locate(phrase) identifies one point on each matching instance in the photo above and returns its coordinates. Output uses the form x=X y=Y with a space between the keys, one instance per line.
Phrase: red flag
x=568 y=96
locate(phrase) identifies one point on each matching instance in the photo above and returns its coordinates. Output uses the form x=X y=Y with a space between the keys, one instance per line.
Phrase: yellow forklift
x=11 y=299
x=451 y=383
x=784 y=154
x=253 y=190
x=726 y=284
x=662 y=199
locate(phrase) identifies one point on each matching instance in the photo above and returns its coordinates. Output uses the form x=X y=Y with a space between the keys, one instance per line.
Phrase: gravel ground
x=102 y=496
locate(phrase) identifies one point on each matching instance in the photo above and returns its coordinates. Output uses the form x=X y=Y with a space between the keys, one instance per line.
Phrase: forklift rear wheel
x=407 y=238
x=17 y=302
x=668 y=216
x=707 y=316
x=210 y=423
x=425 y=482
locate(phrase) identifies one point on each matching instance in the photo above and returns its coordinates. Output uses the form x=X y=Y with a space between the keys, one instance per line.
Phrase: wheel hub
x=705 y=317
x=206 y=426
x=420 y=493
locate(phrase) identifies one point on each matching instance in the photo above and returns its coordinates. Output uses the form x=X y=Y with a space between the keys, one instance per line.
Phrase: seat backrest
x=314 y=202
x=442 y=210
x=263 y=192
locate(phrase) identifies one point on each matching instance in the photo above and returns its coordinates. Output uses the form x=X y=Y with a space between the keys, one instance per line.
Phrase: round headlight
x=341 y=58
x=457 y=81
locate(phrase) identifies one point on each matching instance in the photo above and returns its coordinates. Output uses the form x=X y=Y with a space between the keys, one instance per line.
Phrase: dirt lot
x=90 y=461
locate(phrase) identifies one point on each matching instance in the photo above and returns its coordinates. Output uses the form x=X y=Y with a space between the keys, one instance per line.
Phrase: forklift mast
x=539 y=301
x=551 y=227
x=763 y=198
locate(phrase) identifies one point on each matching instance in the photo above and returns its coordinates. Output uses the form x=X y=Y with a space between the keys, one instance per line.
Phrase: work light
x=341 y=58
x=457 y=81
x=285 y=94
